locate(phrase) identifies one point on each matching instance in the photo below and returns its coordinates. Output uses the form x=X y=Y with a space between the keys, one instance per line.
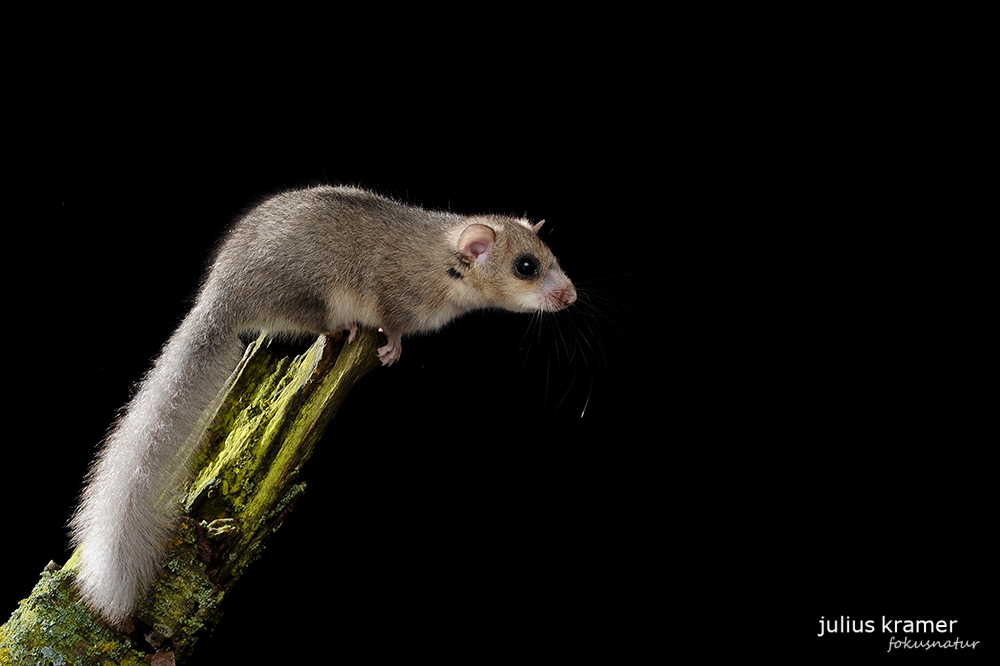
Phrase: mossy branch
x=244 y=485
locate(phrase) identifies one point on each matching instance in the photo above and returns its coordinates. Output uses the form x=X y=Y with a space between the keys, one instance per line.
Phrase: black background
x=776 y=356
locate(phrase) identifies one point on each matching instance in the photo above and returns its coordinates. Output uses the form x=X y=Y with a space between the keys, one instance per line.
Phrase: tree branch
x=244 y=485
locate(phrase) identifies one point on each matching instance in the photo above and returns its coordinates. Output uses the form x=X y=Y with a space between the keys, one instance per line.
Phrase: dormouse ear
x=476 y=242
x=536 y=227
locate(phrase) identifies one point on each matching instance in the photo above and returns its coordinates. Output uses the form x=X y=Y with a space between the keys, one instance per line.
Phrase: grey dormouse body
x=309 y=261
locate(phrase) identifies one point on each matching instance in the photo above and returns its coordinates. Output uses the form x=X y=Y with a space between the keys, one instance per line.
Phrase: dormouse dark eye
x=525 y=266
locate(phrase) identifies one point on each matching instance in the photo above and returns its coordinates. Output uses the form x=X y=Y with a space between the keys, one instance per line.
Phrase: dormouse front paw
x=391 y=352
x=353 y=328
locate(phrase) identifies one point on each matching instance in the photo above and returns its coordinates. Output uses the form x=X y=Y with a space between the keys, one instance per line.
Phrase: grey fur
x=303 y=262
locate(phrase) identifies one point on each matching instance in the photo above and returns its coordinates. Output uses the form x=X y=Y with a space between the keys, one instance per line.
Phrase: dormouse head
x=512 y=268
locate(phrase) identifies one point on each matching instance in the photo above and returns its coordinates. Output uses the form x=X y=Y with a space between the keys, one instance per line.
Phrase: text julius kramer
x=849 y=626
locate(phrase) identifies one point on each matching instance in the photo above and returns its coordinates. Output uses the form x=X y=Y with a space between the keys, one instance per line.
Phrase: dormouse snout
x=557 y=293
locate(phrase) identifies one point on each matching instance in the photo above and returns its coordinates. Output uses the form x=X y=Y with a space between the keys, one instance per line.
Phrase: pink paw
x=390 y=353
x=352 y=328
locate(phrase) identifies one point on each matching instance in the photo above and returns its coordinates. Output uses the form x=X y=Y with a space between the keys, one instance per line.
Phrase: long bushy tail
x=131 y=501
